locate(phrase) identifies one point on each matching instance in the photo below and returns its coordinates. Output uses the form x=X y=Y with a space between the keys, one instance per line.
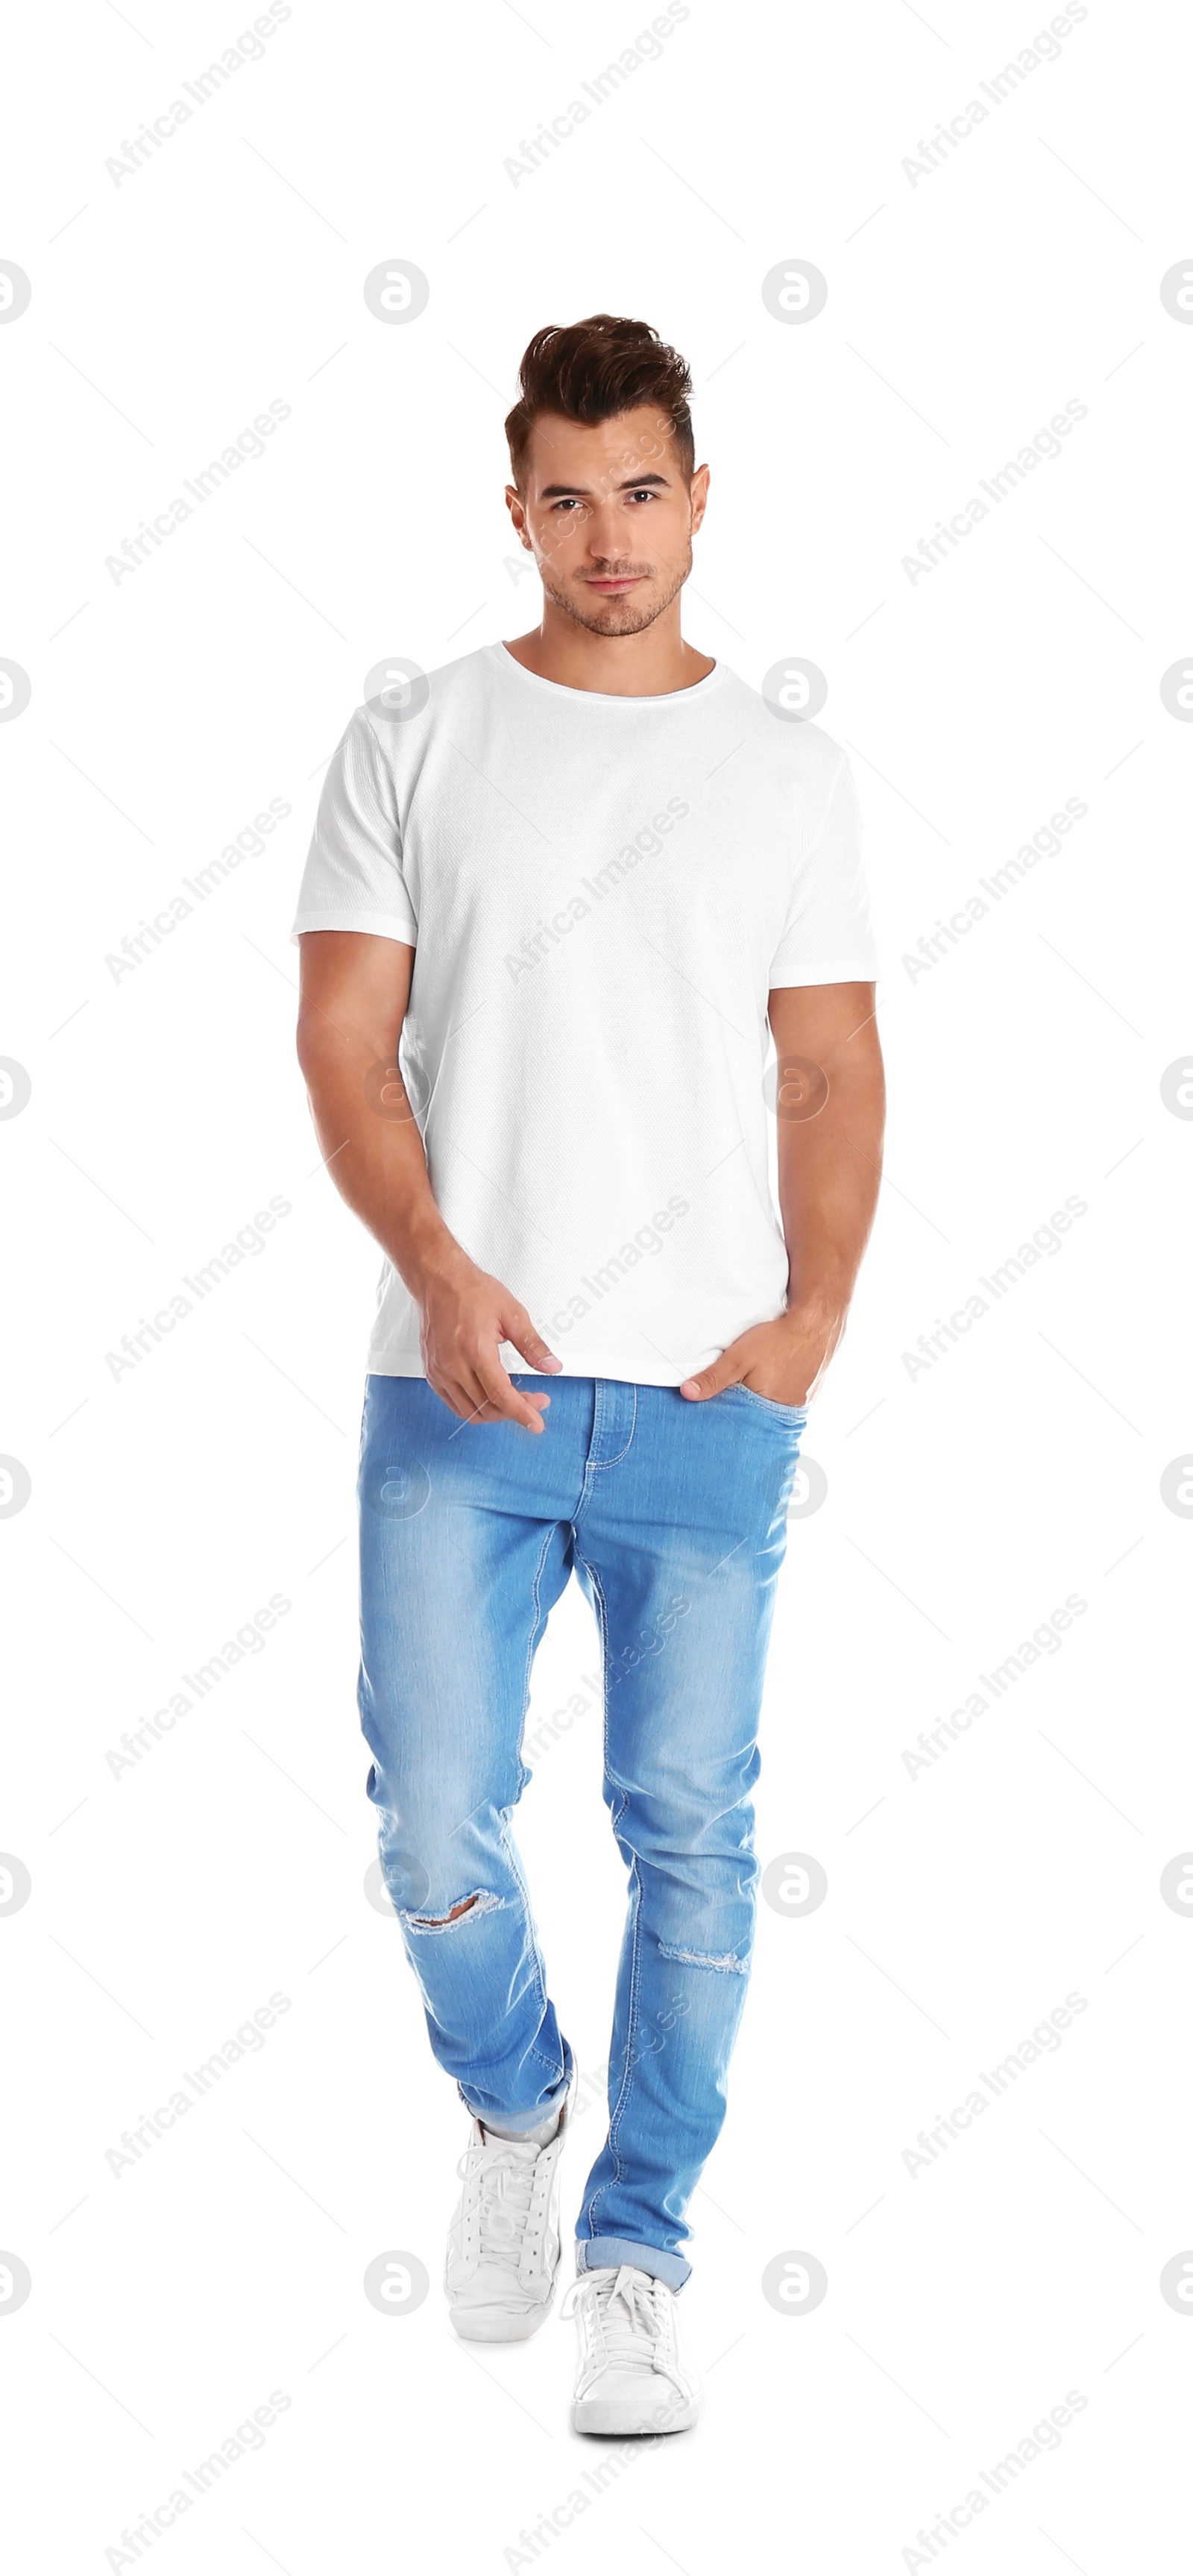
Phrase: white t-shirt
x=601 y=892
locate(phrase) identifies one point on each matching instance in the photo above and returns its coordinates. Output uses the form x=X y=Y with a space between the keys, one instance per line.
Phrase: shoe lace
x=628 y=2315
x=500 y=2188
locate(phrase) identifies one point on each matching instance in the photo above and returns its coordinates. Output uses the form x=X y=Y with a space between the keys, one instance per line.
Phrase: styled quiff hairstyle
x=589 y=371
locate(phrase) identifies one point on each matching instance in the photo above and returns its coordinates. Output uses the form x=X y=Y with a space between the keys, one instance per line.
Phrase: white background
x=964 y=1902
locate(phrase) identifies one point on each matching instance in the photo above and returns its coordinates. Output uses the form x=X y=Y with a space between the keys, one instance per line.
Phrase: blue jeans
x=673 y=1516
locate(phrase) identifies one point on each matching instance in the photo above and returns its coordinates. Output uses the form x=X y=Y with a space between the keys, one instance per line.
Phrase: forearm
x=829 y=1174
x=370 y=1141
x=829 y=1103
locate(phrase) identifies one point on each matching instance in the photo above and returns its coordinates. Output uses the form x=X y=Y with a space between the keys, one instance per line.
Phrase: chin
x=616 y=617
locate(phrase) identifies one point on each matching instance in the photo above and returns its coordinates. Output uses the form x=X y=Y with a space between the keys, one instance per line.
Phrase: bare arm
x=354 y=992
x=830 y=1106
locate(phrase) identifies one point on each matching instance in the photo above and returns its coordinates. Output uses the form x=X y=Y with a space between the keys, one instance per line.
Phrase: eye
x=643 y=494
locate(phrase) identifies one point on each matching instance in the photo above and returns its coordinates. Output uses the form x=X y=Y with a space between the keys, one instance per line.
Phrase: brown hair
x=589 y=371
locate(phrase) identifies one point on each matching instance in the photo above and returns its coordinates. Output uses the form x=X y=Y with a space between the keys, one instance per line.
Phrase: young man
x=553 y=898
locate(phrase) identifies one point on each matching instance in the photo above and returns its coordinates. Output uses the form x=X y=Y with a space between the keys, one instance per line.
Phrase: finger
x=469 y=1399
x=517 y=1328
x=450 y=1394
x=483 y=1410
x=497 y=1395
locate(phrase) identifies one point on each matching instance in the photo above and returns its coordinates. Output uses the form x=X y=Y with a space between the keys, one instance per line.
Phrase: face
x=609 y=516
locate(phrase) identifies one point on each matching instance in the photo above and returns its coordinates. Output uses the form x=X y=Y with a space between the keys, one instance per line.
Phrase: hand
x=784 y=1360
x=466 y=1316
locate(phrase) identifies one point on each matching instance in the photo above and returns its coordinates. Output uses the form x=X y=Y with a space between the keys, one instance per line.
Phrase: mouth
x=614 y=582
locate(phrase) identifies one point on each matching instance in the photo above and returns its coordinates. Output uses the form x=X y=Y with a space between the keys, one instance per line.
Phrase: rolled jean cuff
x=608 y=2253
x=516 y=2121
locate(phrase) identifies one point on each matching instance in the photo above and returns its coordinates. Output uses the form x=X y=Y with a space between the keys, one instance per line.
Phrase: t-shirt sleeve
x=353 y=878
x=827 y=937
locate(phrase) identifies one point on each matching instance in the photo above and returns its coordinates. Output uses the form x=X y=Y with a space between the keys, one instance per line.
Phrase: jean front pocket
x=794 y=1413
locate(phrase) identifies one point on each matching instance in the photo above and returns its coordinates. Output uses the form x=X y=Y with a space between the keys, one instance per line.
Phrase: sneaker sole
x=490 y=2326
x=593 y=2415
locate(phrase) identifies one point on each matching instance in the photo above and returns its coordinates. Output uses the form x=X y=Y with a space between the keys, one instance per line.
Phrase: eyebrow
x=580 y=491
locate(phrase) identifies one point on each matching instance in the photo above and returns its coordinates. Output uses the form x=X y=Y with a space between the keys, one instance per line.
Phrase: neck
x=651 y=664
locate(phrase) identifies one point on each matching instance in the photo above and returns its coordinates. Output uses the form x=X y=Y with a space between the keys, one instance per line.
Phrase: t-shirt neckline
x=609 y=698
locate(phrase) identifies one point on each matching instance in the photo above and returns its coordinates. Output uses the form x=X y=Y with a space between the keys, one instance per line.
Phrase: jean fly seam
x=593 y=1466
x=622 y=1453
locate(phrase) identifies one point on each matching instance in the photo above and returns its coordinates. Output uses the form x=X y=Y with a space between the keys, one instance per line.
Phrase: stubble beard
x=629 y=616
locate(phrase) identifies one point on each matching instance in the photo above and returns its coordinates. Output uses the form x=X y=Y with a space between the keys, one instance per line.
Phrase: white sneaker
x=503 y=2246
x=631 y=2378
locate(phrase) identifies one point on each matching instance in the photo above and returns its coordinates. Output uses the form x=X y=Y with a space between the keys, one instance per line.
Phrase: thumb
x=710 y=1381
